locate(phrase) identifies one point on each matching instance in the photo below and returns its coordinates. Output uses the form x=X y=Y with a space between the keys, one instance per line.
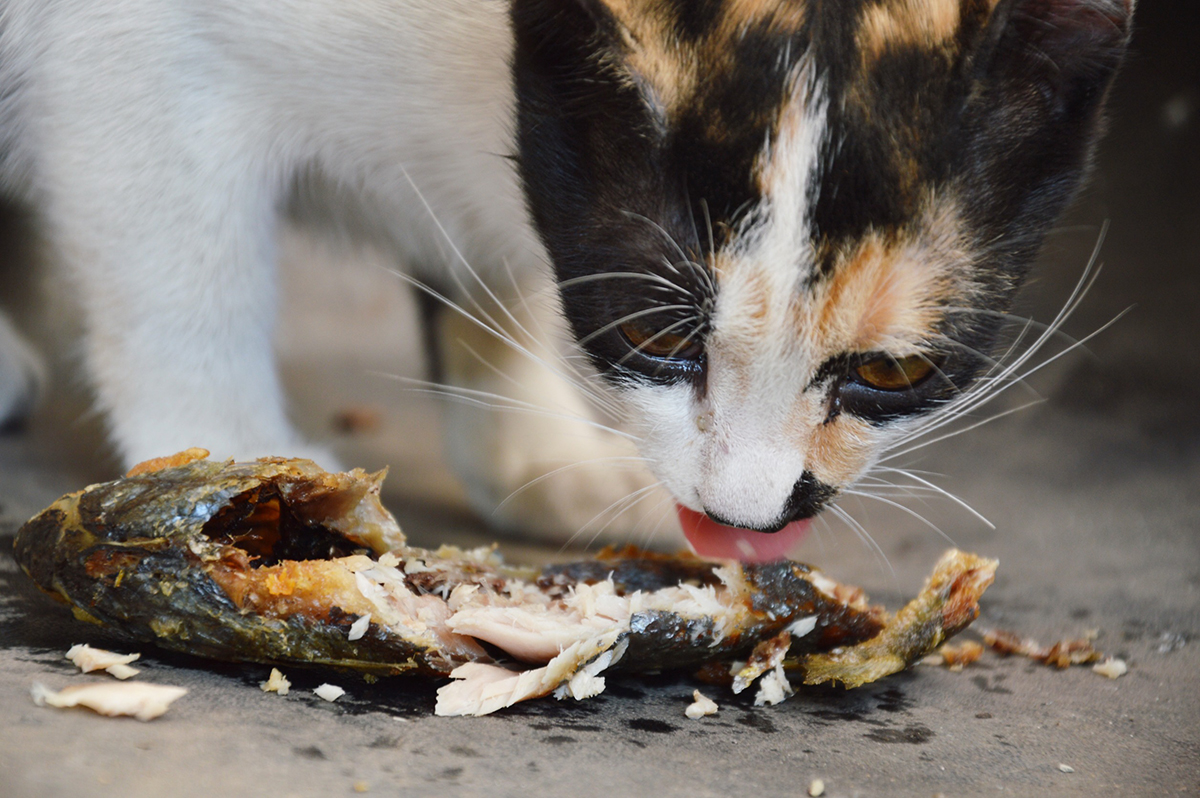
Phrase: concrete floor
x=1097 y=526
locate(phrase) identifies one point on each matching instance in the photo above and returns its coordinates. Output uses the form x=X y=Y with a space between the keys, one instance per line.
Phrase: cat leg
x=547 y=466
x=173 y=255
x=22 y=375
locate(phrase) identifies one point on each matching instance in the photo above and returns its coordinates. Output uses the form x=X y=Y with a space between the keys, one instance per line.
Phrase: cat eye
x=878 y=387
x=661 y=343
x=894 y=374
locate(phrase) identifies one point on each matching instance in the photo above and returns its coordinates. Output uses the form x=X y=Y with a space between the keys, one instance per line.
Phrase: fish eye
x=666 y=343
x=885 y=373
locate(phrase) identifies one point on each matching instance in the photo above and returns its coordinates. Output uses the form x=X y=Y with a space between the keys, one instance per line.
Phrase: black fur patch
x=610 y=192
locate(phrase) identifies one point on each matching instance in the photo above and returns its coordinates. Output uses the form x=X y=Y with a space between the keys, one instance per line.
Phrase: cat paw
x=563 y=483
x=22 y=377
x=586 y=505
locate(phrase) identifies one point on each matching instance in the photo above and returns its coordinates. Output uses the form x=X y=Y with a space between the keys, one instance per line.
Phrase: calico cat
x=784 y=231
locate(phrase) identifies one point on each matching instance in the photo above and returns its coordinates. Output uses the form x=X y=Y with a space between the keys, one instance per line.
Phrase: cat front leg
x=537 y=457
x=172 y=249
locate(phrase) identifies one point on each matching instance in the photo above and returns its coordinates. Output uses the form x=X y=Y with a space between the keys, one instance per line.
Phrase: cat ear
x=1067 y=49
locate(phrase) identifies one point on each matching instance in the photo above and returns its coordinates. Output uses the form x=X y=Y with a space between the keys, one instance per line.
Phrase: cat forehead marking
x=670 y=44
x=885 y=293
x=888 y=292
x=905 y=23
x=925 y=24
x=770 y=254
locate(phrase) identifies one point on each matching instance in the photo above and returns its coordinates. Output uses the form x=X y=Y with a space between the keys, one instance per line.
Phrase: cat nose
x=809 y=496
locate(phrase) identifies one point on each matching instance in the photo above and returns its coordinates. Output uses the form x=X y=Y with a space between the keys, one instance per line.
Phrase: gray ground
x=1092 y=494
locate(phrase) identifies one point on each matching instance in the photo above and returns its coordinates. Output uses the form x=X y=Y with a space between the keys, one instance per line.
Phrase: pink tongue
x=710 y=539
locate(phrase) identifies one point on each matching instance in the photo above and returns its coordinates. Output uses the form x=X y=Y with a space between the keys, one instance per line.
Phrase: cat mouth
x=710 y=538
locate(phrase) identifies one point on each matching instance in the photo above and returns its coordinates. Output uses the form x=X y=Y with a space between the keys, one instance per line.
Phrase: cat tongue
x=710 y=539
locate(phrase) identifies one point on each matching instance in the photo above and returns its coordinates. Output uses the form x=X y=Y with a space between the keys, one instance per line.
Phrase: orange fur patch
x=878 y=300
x=886 y=295
x=907 y=23
x=838 y=452
x=670 y=71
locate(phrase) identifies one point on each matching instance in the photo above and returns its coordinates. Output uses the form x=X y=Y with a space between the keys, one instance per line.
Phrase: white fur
x=735 y=452
x=160 y=139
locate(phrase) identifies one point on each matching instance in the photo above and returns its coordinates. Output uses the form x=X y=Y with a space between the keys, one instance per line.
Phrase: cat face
x=783 y=230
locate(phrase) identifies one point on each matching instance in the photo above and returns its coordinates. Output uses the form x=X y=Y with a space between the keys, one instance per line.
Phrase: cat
x=784 y=232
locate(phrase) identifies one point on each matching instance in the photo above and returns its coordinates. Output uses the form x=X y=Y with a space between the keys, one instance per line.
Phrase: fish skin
x=149 y=528
x=156 y=557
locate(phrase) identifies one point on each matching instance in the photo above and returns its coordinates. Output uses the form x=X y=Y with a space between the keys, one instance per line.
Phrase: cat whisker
x=954 y=433
x=863 y=535
x=994 y=363
x=637 y=314
x=995 y=385
x=632 y=501
x=893 y=490
x=905 y=509
x=670 y=238
x=640 y=348
x=605 y=404
x=488 y=322
x=487 y=364
x=577 y=378
x=691 y=212
x=662 y=517
x=932 y=486
x=663 y=282
x=712 y=247
x=824 y=519
x=987 y=397
x=1006 y=316
x=613 y=460
x=696 y=268
x=625 y=503
x=494 y=401
x=574 y=376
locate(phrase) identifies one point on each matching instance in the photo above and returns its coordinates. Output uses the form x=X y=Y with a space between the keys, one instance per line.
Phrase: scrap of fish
x=280 y=562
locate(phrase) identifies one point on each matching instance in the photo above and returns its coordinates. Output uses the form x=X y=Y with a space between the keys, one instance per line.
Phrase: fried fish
x=277 y=561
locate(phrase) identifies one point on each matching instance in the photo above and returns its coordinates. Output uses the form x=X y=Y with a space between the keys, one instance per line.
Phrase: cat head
x=784 y=230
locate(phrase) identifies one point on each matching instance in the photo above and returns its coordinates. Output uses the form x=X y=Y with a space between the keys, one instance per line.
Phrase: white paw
x=550 y=473
x=560 y=481
x=22 y=375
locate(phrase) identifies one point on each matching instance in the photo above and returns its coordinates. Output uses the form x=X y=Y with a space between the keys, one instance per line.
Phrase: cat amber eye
x=894 y=374
x=661 y=343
